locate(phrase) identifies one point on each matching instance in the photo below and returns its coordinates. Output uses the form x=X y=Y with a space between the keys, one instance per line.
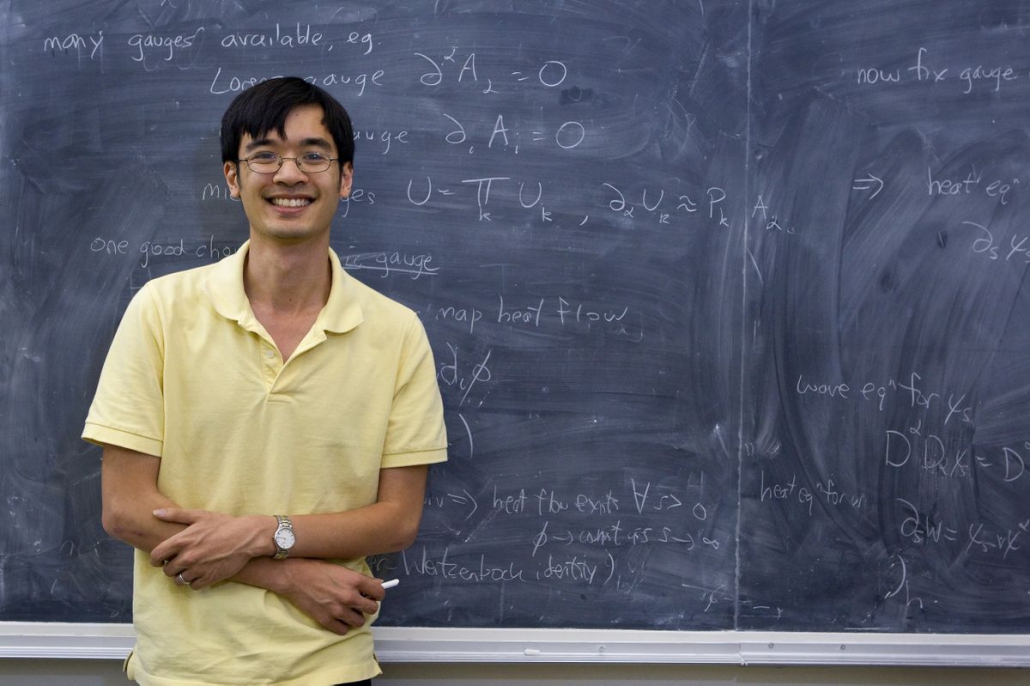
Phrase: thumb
x=178 y=515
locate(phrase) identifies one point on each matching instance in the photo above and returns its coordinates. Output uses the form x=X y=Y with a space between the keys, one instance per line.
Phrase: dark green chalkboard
x=727 y=299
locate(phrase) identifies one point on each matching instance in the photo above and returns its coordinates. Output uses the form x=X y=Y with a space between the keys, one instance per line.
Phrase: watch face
x=284 y=538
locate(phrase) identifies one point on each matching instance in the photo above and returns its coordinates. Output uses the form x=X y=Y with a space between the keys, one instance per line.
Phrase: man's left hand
x=212 y=547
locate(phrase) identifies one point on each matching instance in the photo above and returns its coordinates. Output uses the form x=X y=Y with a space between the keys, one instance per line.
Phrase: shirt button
x=269 y=354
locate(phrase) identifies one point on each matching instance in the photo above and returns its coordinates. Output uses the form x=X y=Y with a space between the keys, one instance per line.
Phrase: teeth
x=290 y=202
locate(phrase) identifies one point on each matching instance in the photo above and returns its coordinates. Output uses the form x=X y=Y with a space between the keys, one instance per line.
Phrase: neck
x=290 y=278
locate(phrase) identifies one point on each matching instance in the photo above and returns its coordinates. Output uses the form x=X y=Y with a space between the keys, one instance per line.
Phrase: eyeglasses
x=270 y=162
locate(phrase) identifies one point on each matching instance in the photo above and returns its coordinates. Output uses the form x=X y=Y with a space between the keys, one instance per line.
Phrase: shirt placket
x=271 y=364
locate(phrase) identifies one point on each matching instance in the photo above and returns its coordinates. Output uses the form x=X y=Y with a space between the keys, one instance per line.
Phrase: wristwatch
x=284 y=538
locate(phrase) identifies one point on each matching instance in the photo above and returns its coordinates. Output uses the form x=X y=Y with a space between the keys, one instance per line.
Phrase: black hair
x=265 y=106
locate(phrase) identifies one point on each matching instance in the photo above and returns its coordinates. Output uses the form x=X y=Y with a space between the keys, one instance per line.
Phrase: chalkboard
x=727 y=299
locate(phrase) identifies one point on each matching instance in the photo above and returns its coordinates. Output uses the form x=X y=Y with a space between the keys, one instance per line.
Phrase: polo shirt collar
x=342 y=313
x=224 y=287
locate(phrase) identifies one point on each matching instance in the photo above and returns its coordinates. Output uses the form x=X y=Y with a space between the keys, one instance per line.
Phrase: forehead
x=304 y=125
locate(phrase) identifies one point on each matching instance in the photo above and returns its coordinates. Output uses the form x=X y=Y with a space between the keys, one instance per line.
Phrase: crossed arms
x=208 y=547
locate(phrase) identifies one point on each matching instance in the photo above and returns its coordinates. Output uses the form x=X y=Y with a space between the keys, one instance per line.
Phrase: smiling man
x=267 y=422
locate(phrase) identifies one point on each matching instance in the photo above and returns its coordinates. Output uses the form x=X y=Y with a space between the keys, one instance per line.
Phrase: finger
x=352 y=617
x=180 y=580
x=159 y=555
x=164 y=551
x=201 y=582
x=178 y=515
x=369 y=587
x=360 y=603
x=162 y=559
x=174 y=568
x=368 y=606
x=334 y=625
x=346 y=613
x=372 y=590
x=163 y=555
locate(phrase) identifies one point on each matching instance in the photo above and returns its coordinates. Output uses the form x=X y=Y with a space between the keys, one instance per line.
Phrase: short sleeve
x=128 y=408
x=415 y=432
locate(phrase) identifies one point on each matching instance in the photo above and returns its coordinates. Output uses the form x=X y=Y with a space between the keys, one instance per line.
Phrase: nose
x=290 y=172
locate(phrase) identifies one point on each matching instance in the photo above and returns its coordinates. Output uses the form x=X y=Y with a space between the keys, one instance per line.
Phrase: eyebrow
x=305 y=143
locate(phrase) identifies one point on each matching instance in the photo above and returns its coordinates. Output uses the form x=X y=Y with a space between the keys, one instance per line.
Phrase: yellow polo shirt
x=193 y=378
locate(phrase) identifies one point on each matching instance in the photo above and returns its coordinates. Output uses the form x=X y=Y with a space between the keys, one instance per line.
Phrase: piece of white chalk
x=391 y=583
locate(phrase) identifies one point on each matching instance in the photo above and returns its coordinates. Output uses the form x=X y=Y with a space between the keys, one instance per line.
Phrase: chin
x=289 y=233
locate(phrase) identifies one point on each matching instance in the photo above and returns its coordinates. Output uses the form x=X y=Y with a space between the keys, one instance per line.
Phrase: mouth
x=290 y=202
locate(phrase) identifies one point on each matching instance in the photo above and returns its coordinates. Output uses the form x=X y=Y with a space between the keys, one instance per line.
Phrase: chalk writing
x=931 y=452
x=526 y=315
x=829 y=493
x=924 y=73
x=510 y=504
x=788 y=491
x=1017 y=249
x=833 y=494
x=205 y=251
x=464 y=500
x=908 y=392
x=150 y=251
x=357 y=196
x=475 y=572
x=772 y=221
x=615 y=535
x=573 y=569
x=221 y=85
x=550 y=73
x=299 y=36
x=997 y=74
x=216 y=191
x=872 y=76
x=831 y=390
x=985 y=540
x=465 y=315
x=388 y=263
x=972 y=182
x=993 y=76
x=385 y=137
x=922 y=528
x=567 y=135
x=109 y=246
x=897 y=580
x=663 y=206
x=160 y=48
x=456 y=376
x=73 y=41
x=557 y=311
x=868 y=182
x=1012 y=461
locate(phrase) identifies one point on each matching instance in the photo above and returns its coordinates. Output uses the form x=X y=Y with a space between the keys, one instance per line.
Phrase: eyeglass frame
x=282 y=161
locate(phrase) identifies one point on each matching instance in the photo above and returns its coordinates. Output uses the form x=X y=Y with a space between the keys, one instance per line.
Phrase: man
x=267 y=422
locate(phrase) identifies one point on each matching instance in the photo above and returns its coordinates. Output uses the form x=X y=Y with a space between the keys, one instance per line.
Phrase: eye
x=314 y=158
x=264 y=158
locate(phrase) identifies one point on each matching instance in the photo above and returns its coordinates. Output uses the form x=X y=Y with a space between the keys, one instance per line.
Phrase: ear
x=346 y=179
x=232 y=177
